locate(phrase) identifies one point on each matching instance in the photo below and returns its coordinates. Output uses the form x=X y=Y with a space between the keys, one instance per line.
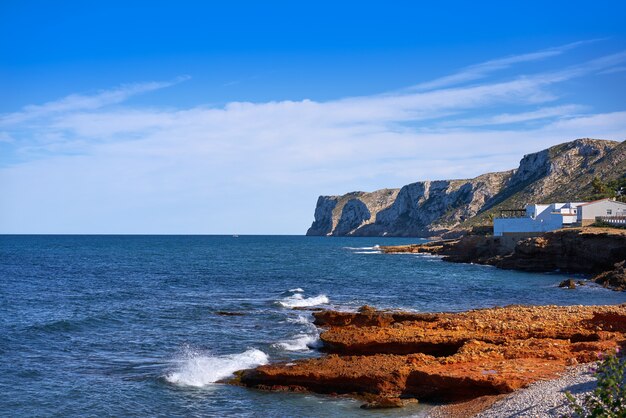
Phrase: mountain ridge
x=563 y=172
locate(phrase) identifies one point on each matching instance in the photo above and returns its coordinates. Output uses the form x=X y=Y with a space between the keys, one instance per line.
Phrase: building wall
x=533 y=211
x=568 y=219
x=507 y=225
x=591 y=210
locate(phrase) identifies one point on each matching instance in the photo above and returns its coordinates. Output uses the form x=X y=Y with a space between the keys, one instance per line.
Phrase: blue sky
x=199 y=117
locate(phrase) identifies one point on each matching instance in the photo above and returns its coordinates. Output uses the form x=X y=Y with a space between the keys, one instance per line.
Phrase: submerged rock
x=383 y=403
x=569 y=283
x=228 y=313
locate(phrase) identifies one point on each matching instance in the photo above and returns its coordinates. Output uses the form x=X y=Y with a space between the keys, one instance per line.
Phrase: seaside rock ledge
x=449 y=357
x=599 y=252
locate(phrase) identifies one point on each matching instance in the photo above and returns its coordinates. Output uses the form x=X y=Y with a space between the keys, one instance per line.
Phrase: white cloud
x=258 y=167
x=507 y=118
x=478 y=71
x=613 y=70
x=76 y=102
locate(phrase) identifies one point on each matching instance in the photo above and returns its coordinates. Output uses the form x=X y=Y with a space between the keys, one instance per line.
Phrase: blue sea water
x=130 y=325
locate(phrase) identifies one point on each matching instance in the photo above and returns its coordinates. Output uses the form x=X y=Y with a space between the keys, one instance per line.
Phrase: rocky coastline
x=466 y=361
x=389 y=359
x=597 y=252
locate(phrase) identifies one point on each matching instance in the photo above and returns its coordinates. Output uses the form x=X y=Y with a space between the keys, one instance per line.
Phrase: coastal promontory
x=563 y=172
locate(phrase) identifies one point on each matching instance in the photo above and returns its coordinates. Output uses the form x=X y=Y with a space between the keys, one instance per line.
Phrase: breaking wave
x=300 y=319
x=197 y=369
x=301 y=342
x=299 y=301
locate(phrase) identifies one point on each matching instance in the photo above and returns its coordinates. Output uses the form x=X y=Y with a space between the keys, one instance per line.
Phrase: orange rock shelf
x=446 y=356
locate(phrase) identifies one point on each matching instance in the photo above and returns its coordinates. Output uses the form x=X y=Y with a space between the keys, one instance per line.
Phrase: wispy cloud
x=508 y=118
x=613 y=70
x=482 y=70
x=78 y=102
x=594 y=66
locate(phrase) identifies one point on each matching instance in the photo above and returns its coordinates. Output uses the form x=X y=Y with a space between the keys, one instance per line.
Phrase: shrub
x=603 y=224
x=608 y=400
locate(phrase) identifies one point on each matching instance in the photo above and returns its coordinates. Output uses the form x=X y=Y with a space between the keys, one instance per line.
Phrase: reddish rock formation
x=446 y=356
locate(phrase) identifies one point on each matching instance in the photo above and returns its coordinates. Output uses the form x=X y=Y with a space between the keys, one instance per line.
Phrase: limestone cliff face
x=417 y=209
x=341 y=215
x=427 y=208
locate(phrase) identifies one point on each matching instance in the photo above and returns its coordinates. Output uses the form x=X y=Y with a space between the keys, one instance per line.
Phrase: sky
x=162 y=117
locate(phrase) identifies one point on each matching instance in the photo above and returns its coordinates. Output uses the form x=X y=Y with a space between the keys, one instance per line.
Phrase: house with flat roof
x=536 y=218
x=603 y=208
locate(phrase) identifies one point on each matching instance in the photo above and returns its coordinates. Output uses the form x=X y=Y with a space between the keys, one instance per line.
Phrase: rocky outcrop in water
x=614 y=278
x=576 y=250
x=427 y=208
x=589 y=250
x=445 y=356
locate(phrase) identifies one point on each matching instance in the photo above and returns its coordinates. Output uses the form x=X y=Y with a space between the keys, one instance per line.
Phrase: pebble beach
x=545 y=398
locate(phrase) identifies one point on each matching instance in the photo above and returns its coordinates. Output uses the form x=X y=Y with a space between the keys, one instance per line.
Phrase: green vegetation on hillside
x=613 y=188
x=573 y=181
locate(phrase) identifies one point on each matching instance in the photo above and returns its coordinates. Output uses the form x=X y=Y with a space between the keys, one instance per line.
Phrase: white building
x=538 y=218
x=587 y=212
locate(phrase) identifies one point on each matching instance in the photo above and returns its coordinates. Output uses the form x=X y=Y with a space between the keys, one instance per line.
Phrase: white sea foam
x=301 y=342
x=375 y=247
x=427 y=255
x=198 y=370
x=296 y=290
x=299 y=301
x=366 y=252
x=300 y=319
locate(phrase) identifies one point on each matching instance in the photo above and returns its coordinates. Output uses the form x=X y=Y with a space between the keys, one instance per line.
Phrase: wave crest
x=375 y=247
x=308 y=339
x=198 y=370
x=299 y=301
x=301 y=342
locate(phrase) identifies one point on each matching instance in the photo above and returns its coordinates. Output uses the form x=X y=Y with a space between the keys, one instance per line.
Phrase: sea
x=150 y=325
